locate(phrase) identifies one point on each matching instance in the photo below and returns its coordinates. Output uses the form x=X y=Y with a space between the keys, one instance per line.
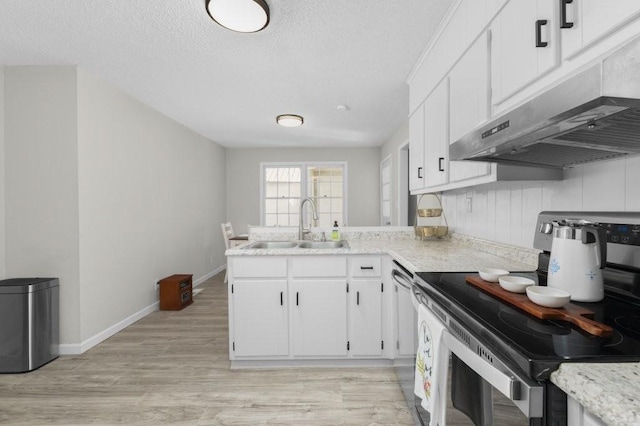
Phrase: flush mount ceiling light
x=289 y=120
x=244 y=16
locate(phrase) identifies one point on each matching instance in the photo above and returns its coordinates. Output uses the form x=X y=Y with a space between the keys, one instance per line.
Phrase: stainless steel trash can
x=29 y=323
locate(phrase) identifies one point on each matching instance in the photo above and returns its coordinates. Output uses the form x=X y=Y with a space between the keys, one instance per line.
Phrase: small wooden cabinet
x=175 y=292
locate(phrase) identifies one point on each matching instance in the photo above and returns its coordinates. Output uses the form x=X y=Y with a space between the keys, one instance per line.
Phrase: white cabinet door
x=469 y=90
x=587 y=21
x=469 y=104
x=260 y=321
x=436 y=135
x=365 y=314
x=524 y=45
x=416 y=149
x=319 y=317
x=406 y=323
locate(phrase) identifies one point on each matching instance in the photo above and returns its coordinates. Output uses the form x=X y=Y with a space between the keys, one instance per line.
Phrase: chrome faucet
x=301 y=230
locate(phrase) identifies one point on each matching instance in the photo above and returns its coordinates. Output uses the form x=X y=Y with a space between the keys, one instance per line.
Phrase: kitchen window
x=284 y=185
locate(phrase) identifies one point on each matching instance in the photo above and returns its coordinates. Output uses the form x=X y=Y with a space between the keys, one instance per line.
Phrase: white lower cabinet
x=319 y=317
x=306 y=308
x=365 y=314
x=260 y=318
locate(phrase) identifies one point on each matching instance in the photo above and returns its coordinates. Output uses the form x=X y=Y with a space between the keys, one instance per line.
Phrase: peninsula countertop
x=456 y=253
x=610 y=391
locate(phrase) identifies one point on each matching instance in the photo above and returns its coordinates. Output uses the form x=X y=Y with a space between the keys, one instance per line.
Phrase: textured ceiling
x=228 y=86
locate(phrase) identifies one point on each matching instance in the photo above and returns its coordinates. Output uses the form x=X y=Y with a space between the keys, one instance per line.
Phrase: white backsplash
x=506 y=212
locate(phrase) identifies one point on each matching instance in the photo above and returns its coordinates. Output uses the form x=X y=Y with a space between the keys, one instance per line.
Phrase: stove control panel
x=622 y=229
x=618 y=233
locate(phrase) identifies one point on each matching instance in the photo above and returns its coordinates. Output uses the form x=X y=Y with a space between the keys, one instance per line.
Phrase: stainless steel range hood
x=592 y=116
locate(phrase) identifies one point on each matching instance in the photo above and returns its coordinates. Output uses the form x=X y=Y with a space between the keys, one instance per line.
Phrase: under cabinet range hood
x=592 y=116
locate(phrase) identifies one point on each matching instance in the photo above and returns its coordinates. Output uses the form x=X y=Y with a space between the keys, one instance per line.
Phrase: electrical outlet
x=156 y=285
x=469 y=205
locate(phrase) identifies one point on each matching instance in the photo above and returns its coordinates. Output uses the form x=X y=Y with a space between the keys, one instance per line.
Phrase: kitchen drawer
x=319 y=266
x=259 y=267
x=365 y=266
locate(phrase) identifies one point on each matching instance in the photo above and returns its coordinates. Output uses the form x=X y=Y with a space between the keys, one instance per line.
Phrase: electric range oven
x=502 y=357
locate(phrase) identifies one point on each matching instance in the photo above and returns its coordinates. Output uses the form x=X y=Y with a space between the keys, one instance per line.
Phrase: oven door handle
x=416 y=295
x=401 y=279
x=509 y=386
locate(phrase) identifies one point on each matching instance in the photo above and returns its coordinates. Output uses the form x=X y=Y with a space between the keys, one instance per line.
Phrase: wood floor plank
x=172 y=367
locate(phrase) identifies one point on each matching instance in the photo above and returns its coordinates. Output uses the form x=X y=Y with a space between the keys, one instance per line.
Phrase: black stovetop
x=536 y=346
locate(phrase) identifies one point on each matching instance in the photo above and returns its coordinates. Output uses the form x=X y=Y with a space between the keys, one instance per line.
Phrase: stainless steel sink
x=323 y=244
x=265 y=245
x=271 y=245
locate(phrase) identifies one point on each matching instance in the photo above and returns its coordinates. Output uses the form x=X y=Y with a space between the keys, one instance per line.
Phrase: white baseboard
x=209 y=275
x=79 y=348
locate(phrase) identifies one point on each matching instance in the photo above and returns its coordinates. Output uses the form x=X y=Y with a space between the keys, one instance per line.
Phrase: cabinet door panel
x=436 y=109
x=258 y=266
x=469 y=90
x=260 y=321
x=592 y=20
x=319 y=266
x=601 y=16
x=319 y=317
x=416 y=149
x=366 y=318
x=515 y=58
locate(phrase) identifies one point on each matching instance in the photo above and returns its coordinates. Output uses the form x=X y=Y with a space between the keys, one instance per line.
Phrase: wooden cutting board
x=574 y=314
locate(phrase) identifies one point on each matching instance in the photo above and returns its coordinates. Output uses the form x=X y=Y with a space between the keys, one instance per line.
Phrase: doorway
x=407 y=203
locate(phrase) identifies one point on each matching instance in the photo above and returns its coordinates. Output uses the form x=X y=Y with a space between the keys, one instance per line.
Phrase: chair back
x=227 y=232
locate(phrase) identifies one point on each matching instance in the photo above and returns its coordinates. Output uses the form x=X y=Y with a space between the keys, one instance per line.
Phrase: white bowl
x=492 y=275
x=548 y=296
x=515 y=284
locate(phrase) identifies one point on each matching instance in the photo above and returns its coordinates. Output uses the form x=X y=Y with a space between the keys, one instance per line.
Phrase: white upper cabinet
x=416 y=149
x=436 y=135
x=524 y=40
x=469 y=88
x=584 y=22
x=469 y=102
x=461 y=27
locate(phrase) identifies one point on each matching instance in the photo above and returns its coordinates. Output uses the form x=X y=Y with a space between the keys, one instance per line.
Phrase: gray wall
x=243 y=177
x=2 y=209
x=108 y=195
x=41 y=178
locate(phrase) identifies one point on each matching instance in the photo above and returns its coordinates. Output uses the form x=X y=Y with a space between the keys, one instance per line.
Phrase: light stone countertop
x=610 y=391
x=454 y=254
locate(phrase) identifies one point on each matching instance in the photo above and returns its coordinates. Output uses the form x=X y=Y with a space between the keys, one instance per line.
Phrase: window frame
x=304 y=165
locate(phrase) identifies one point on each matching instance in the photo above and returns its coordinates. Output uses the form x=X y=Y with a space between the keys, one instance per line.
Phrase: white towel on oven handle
x=432 y=363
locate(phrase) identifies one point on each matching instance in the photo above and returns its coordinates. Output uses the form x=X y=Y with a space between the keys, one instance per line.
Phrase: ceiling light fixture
x=289 y=120
x=244 y=16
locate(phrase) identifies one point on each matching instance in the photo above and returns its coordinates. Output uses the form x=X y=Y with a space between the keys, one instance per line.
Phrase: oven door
x=482 y=385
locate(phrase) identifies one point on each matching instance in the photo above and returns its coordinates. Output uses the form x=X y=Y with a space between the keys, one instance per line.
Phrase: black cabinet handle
x=563 y=14
x=366 y=267
x=419 y=172
x=441 y=164
x=297 y=299
x=281 y=299
x=357 y=297
x=539 y=24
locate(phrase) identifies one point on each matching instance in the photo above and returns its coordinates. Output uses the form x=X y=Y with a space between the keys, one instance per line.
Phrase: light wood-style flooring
x=172 y=367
